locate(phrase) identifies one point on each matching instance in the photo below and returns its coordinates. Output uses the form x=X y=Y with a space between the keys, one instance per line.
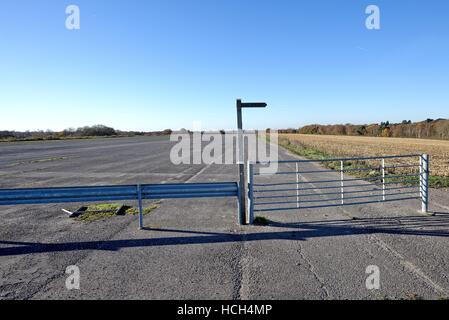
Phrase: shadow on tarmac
x=413 y=226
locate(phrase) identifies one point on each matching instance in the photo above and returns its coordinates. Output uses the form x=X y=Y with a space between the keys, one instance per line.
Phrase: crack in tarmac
x=311 y=269
x=241 y=279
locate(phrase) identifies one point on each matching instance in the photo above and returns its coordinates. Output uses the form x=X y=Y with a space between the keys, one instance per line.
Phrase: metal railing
x=389 y=184
x=115 y=193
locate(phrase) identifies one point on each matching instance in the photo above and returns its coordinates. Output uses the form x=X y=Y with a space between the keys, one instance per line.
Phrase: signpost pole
x=241 y=156
x=241 y=162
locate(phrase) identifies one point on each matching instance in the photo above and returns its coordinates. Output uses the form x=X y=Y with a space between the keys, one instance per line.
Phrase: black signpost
x=241 y=153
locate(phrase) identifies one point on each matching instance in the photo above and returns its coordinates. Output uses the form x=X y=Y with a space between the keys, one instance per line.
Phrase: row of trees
x=82 y=132
x=93 y=131
x=431 y=129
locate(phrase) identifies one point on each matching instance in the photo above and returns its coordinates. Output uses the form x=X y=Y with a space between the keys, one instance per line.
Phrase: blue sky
x=150 y=65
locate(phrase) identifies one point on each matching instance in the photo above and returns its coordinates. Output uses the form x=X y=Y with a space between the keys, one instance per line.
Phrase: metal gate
x=344 y=182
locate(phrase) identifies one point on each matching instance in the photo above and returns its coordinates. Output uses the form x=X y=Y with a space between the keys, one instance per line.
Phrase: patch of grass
x=96 y=212
x=261 y=221
x=438 y=182
x=147 y=210
x=92 y=214
x=104 y=207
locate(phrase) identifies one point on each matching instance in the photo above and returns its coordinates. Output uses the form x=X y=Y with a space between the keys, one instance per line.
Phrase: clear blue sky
x=149 y=65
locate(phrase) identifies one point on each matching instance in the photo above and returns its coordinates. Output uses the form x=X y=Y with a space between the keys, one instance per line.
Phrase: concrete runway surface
x=195 y=249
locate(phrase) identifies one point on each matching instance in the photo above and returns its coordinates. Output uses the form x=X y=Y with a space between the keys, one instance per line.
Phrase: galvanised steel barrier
x=263 y=197
x=114 y=193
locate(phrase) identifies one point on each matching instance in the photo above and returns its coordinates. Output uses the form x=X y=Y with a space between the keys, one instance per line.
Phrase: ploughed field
x=351 y=146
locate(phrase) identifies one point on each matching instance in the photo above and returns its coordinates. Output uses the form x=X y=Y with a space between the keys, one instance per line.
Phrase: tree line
x=82 y=132
x=428 y=129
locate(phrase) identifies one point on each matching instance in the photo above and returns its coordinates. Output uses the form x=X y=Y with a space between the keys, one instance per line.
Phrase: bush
x=97 y=130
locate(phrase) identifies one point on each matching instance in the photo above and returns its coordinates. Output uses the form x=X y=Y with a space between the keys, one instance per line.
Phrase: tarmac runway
x=195 y=249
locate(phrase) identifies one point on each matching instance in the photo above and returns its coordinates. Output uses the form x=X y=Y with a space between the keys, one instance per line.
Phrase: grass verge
x=96 y=212
x=313 y=154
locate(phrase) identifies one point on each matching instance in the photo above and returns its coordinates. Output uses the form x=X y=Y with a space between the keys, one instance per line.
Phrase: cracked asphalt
x=195 y=249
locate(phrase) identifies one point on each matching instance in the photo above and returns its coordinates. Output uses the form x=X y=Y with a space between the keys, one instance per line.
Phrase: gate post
x=383 y=181
x=297 y=185
x=139 y=198
x=342 y=178
x=250 y=207
x=424 y=182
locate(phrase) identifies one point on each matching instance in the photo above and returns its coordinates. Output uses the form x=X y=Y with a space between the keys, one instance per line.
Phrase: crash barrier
x=407 y=179
x=114 y=193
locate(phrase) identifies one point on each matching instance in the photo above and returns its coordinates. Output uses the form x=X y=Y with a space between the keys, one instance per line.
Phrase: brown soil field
x=350 y=146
